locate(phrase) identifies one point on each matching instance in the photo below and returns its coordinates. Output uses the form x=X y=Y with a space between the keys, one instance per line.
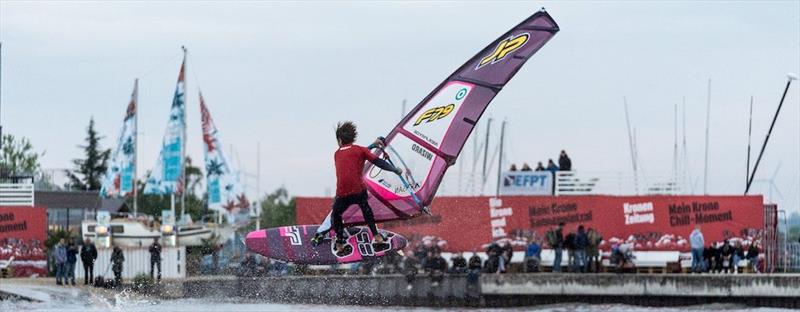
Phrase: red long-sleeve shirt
x=349 y=160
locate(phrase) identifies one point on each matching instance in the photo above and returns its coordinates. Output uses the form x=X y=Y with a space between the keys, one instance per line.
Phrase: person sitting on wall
x=436 y=266
x=410 y=268
x=752 y=256
x=459 y=264
x=533 y=255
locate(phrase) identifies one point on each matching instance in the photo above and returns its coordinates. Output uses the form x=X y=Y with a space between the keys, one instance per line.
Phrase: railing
x=16 y=191
x=613 y=183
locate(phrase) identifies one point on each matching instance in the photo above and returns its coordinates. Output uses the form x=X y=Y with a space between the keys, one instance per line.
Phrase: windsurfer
x=349 y=160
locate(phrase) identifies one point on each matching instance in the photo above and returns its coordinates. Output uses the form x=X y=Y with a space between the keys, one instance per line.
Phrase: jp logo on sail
x=504 y=48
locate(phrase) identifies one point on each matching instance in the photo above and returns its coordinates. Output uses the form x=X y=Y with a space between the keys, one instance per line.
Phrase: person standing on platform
x=61 y=262
x=697 y=243
x=556 y=240
x=155 y=258
x=593 y=251
x=564 y=163
x=72 y=259
x=88 y=256
x=581 y=243
x=117 y=259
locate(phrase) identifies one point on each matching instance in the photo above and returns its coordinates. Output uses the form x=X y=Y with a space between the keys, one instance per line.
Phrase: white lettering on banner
x=638 y=213
x=498 y=214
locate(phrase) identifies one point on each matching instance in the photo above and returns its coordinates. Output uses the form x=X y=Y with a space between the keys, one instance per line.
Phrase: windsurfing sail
x=120 y=177
x=428 y=140
x=167 y=176
x=225 y=193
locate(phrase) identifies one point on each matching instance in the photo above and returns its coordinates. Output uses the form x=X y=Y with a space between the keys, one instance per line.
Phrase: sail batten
x=430 y=137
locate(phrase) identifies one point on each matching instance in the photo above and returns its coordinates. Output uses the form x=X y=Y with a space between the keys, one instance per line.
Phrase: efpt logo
x=525 y=180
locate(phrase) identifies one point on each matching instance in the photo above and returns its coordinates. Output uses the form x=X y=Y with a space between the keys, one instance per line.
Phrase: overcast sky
x=283 y=74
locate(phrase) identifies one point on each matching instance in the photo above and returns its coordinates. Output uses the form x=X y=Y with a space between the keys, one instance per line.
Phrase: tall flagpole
x=135 y=146
x=708 y=125
x=183 y=148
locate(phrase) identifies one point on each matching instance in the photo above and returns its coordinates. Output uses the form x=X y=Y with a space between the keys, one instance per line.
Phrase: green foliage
x=53 y=236
x=277 y=209
x=794 y=233
x=18 y=157
x=193 y=176
x=88 y=172
x=154 y=204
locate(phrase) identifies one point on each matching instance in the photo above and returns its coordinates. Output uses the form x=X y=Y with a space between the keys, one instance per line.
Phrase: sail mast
x=500 y=159
x=708 y=125
x=749 y=135
x=183 y=147
x=135 y=145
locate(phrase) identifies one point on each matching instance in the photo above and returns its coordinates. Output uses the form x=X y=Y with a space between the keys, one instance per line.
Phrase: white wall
x=137 y=261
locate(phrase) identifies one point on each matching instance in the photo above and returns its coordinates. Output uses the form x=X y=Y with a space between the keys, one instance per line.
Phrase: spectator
x=155 y=258
x=533 y=255
x=581 y=243
x=593 y=251
x=752 y=256
x=564 y=163
x=436 y=267
x=88 y=256
x=708 y=256
x=410 y=269
x=552 y=167
x=621 y=255
x=475 y=263
x=697 y=244
x=738 y=255
x=459 y=264
x=540 y=167
x=492 y=264
x=726 y=254
x=513 y=167
x=525 y=167
x=569 y=244
x=505 y=256
x=556 y=241
x=61 y=262
x=117 y=258
x=72 y=259
x=716 y=254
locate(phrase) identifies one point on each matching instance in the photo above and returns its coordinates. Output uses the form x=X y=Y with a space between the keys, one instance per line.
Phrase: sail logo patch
x=503 y=49
x=435 y=114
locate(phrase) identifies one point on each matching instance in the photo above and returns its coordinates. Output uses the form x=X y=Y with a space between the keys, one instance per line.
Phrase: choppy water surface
x=78 y=299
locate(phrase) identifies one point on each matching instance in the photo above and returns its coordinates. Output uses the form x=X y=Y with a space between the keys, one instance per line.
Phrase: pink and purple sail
x=428 y=140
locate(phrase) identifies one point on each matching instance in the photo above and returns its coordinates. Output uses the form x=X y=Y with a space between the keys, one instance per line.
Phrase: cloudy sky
x=284 y=73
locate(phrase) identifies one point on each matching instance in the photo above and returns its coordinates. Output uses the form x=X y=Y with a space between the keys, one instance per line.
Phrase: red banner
x=23 y=231
x=650 y=222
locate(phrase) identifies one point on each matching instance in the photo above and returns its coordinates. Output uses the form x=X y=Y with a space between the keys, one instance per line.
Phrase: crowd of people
x=564 y=164
x=66 y=254
x=721 y=257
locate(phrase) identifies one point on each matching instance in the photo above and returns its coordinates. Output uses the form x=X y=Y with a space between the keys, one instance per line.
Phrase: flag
x=120 y=177
x=167 y=176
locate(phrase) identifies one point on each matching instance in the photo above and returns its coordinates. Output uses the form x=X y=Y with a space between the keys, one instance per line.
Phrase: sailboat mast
x=485 y=153
x=631 y=146
x=183 y=148
x=500 y=159
x=749 y=135
x=708 y=120
x=135 y=145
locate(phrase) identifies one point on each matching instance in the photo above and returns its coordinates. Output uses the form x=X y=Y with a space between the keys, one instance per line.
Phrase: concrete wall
x=500 y=290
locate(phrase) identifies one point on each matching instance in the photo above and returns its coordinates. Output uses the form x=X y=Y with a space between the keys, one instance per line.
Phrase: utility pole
x=708 y=125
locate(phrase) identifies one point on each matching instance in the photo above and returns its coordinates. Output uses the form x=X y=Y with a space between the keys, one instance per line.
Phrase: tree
x=277 y=209
x=18 y=157
x=88 y=173
x=193 y=177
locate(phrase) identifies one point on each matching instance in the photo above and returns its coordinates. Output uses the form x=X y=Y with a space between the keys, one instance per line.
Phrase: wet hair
x=346 y=132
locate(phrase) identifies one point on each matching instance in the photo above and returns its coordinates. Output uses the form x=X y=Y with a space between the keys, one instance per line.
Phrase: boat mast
x=485 y=153
x=183 y=148
x=631 y=147
x=708 y=119
x=749 y=135
x=500 y=159
x=135 y=145
x=766 y=139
